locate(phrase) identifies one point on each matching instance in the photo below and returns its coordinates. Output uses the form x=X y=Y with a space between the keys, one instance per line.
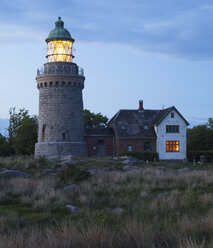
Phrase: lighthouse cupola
x=59 y=43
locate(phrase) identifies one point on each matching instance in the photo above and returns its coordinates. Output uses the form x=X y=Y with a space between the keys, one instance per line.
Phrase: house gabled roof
x=163 y=113
x=134 y=123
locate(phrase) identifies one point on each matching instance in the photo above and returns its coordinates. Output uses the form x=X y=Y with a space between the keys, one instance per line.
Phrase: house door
x=101 y=148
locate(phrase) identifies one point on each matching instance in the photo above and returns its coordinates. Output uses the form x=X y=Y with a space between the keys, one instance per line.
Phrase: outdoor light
x=59 y=44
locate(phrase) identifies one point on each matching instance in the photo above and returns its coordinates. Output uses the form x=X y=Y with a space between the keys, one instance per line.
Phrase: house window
x=172 y=128
x=148 y=146
x=172 y=146
x=172 y=115
x=63 y=136
x=129 y=148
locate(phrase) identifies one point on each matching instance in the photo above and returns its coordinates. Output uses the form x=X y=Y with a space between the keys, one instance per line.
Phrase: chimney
x=141 y=105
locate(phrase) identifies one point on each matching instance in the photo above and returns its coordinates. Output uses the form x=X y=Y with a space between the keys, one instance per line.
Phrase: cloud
x=178 y=28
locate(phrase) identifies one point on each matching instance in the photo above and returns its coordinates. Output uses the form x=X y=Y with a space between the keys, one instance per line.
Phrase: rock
x=14 y=173
x=162 y=167
x=95 y=170
x=71 y=187
x=185 y=169
x=119 y=210
x=130 y=167
x=128 y=162
x=125 y=157
x=22 y=222
x=69 y=159
x=162 y=194
x=127 y=167
x=72 y=209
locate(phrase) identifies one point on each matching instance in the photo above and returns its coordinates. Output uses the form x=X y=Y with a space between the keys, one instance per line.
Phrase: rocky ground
x=105 y=202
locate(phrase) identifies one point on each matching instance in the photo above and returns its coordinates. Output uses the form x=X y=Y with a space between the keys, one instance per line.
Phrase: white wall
x=162 y=137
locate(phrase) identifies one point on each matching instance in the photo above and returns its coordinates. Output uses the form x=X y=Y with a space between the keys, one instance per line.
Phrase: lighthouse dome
x=59 y=32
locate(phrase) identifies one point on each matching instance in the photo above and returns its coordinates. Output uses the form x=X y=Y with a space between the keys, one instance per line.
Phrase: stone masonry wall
x=60 y=115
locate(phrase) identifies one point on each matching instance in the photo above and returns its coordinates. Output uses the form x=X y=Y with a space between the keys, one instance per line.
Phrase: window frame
x=172 y=146
x=149 y=145
x=129 y=150
x=172 y=128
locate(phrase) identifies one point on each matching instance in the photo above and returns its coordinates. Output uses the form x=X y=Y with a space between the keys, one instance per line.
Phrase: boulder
x=128 y=162
x=185 y=169
x=162 y=167
x=14 y=173
x=69 y=159
x=129 y=167
x=72 y=209
x=163 y=194
x=71 y=187
x=119 y=210
x=95 y=170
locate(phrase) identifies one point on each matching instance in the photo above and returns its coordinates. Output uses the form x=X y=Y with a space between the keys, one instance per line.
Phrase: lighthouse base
x=60 y=149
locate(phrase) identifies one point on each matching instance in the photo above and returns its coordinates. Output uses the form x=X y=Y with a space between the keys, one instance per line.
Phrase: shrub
x=196 y=155
x=142 y=155
x=74 y=173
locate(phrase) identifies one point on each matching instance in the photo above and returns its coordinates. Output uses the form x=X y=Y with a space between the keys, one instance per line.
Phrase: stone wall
x=61 y=127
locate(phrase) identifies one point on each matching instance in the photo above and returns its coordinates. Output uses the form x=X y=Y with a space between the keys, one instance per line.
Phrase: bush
x=74 y=173
x=142 y=155
x=196 y=155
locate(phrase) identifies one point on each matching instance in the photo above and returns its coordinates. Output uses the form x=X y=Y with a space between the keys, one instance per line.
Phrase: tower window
x=63 y=136
x=172 y=115
x=43 y=132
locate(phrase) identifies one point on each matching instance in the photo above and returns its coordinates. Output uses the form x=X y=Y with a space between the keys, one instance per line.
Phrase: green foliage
x=201 y=137
x=74 y=173
x=4 y=146
x=94 y=120
x=22 y=131
x=196 y=155
x=142 y=155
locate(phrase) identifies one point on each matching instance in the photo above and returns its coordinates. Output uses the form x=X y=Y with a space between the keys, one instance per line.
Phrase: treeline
x=200 y=141
x=23 y=131
x=22 y=134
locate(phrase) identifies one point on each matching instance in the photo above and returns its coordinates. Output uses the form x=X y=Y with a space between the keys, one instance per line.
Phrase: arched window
x=43 y=132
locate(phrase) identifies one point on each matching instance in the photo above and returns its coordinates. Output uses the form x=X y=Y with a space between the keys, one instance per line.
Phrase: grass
x=163 y=208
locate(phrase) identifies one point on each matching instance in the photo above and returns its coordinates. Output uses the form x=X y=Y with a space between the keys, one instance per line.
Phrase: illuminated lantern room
x=59 y=44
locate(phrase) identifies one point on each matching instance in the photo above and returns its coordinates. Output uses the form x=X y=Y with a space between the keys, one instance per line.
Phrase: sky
x=158 y=51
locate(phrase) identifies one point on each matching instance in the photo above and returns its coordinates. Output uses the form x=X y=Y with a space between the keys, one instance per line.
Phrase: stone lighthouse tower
x=60 y=84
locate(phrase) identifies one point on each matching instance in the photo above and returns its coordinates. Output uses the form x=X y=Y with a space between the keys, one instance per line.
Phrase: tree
x=201 y=137
x=4 y=146
x=92 y=120
x=22 y=131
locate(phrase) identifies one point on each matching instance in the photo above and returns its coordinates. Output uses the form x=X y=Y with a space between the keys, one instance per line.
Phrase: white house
x=171 y=131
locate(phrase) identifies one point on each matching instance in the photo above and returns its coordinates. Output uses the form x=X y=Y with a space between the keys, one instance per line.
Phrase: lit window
x=60 y=50
x=148 y=146
x=129 y=148
x=172 y=115
x=172 y=146
x=172 y=128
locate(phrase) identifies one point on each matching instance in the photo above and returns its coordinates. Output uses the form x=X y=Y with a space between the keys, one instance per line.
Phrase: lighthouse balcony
x=60 y=68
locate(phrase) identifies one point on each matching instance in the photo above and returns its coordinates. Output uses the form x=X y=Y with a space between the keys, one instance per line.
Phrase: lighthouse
x=60 y=83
